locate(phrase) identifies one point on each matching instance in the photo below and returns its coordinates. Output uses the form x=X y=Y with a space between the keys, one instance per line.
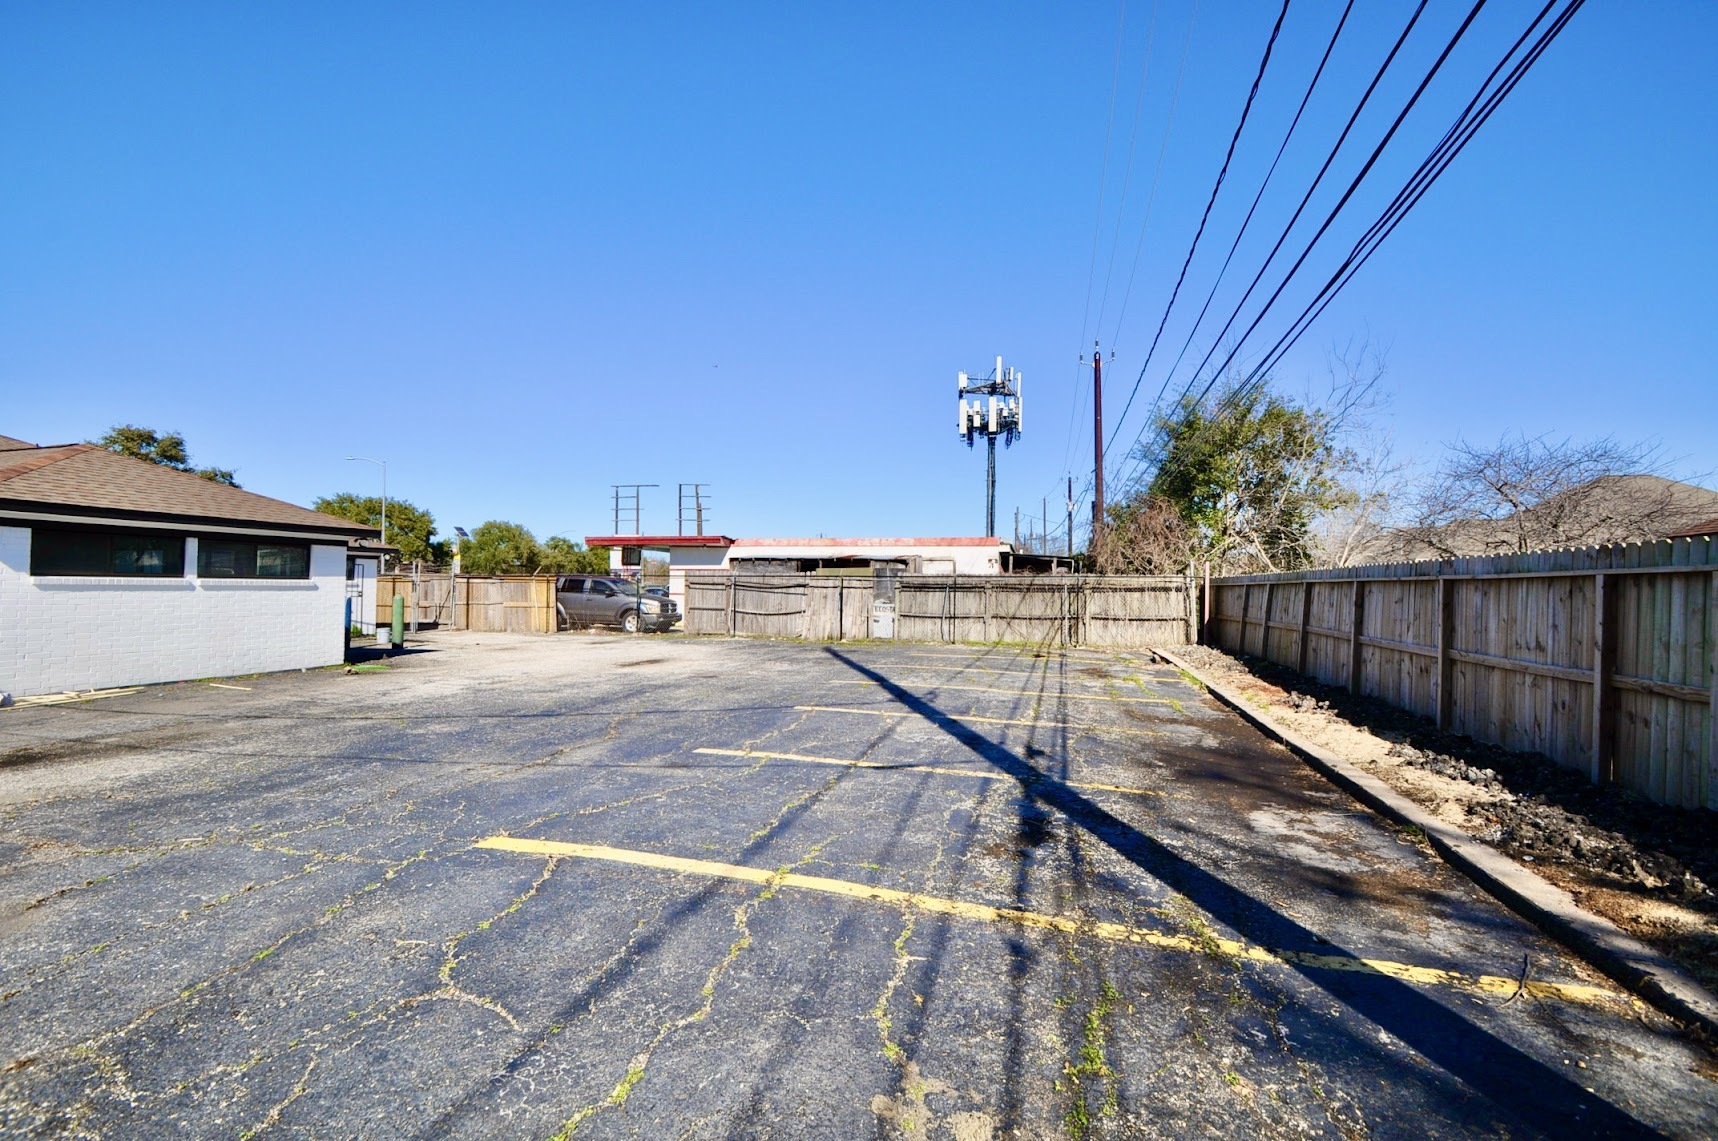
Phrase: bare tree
x=1528 y=493
x=1144 y=535
x=1359 y=529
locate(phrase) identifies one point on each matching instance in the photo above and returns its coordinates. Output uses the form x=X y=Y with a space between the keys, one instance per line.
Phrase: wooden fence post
x=1246 y=600
x=1305 y=617
x=1446 y=664
x=1604 y=658
x=1355 y=622
x=1190 y=601
x=732 y=590
x=1205 y=630
x=1712 y=700
x=1265 y=625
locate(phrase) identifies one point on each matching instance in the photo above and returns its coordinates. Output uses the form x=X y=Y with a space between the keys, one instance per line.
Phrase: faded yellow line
x=1045 y=697
x=985 y=720
x=976 y=774
x=1111 y=932
x=1029 y=659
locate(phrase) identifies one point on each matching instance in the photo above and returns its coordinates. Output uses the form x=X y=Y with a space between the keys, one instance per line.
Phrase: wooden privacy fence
x=827 y=609
x=1063 y=610
x=1601 y=659
x=510 y=603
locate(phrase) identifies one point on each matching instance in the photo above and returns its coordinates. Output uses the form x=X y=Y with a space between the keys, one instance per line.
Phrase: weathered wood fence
x=1062 y=610
x=1601 y=659
x=828 y=609
x=511 y=604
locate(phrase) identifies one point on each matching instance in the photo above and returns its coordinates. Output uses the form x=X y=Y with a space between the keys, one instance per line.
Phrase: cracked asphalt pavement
x=601 y=886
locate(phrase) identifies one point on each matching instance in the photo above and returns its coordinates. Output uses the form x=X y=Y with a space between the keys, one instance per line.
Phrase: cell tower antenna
x=991 y=407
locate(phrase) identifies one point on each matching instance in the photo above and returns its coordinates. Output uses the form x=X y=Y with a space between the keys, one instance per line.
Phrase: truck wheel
x=629 y=621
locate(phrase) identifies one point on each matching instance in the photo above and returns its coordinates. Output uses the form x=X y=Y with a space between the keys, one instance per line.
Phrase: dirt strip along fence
x=492 y=604
x=1601 y=658
x=1058 y=610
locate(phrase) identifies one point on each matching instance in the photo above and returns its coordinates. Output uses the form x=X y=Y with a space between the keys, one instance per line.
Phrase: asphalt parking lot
x=655 y=887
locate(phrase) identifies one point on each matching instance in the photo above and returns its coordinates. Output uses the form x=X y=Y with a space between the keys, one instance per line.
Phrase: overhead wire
x=1162 y=148
x=1288 y=229
x=1467 y=125
x=1216 y=187
x=1127 y=168
x=1347 y=195
x=1239 y=234
x=1098 y=222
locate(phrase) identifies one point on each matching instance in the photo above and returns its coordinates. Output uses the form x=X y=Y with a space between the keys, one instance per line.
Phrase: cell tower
x=993 y=410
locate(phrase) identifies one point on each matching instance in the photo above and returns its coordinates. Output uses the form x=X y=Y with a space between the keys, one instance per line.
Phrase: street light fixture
x=383 y=464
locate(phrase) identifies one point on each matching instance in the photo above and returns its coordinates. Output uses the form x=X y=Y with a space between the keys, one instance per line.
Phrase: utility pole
x=634 y=492
x=1070 y=517
x=998 y=413
x=1044 y=524
x=697 y=498
x=1098 y=440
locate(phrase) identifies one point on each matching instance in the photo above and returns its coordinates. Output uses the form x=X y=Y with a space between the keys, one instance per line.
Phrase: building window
x=233 y=558
x=105 y=553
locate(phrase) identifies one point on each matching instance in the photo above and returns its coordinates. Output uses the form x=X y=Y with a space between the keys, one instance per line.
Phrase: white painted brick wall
x=93 y=633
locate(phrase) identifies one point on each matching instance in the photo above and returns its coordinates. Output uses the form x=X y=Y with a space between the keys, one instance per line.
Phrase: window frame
x=207 y=542
x=171 y=541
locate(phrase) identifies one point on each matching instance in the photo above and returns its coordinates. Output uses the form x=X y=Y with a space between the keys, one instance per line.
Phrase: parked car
x=593 y=600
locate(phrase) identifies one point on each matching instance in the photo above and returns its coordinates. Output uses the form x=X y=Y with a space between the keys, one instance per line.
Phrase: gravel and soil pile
x=1650 y=869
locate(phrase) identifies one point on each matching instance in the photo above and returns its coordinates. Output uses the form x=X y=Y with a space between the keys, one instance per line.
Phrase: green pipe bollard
x=397 y=635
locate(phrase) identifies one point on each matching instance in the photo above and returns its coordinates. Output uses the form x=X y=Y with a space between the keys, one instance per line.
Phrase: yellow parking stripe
x=976 y=774
x=1111 y=932
x=985 y=720
x=993 y=691
x=1027 y=659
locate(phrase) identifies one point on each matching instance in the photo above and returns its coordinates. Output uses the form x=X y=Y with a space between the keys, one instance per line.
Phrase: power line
x=1151 y=198
x=1467 y=125
x=1127 y=168
x=1222 y=172
x=1317 y=180
x=1324 y=168
x=1098 y=222
x=1209 y=297
x=1349 y=193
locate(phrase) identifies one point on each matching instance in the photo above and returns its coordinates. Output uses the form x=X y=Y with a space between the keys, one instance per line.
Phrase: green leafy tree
x=1249 y=473
x=167 y=450
x=567 y=556
x=498 y=547
x=410 y=528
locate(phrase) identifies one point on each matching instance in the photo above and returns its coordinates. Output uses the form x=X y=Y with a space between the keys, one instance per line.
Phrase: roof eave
x=334 y=526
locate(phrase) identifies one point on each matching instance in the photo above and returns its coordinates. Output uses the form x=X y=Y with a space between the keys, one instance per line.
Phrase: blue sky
x=526 y=251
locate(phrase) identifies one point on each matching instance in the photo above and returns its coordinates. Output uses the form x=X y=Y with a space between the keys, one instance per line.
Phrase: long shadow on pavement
x=1521 y=1086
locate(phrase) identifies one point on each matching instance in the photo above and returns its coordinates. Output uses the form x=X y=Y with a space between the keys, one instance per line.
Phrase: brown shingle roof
x=1710 y=527
x=86 y=480
x=7 y=443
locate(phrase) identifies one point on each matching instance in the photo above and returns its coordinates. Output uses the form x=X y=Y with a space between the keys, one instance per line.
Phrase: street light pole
x=383 y=464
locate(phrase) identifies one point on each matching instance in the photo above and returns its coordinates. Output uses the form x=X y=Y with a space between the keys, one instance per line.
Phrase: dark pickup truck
x=593 y=600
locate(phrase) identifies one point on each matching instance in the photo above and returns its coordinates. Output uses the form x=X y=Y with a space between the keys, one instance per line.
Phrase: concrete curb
x=1600 y=942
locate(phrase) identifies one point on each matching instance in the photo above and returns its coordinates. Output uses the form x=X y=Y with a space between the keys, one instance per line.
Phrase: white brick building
x=116 y=572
